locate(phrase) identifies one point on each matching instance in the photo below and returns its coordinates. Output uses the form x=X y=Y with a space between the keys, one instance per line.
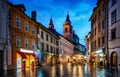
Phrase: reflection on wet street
x=64 y=70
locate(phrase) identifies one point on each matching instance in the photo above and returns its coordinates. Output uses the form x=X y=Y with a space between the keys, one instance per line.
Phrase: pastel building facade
x=48 y=46
x=114 y=33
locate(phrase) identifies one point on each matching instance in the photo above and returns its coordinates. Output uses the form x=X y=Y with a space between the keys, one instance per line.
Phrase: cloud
x=79 y=11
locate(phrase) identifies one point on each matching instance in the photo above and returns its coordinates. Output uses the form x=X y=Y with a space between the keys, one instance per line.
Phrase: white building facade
x=47 y=45
x=66 y=50
x=114 y=32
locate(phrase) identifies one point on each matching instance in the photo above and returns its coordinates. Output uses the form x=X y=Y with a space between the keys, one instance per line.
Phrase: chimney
x=33 y=15
x=21 y=7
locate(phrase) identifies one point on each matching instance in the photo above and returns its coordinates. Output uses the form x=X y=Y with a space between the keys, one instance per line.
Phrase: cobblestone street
x=64 y=70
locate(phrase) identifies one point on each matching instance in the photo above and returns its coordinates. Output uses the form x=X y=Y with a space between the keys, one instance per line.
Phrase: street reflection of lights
x=69 y=67
x=80 y=71
x=19 y=72
x=88 y=69
x=53 y=71
x=74 y=71
x=61 y=70
x=102 y=73
x=32 y=72
x=40 y=73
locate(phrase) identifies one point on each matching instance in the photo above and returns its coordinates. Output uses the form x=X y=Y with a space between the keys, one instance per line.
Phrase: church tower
x=67 y=29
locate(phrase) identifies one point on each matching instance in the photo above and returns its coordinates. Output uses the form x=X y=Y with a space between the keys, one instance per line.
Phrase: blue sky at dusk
x=79 y=11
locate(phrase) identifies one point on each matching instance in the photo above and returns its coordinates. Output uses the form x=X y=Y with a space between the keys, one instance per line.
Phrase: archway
x=114 y=59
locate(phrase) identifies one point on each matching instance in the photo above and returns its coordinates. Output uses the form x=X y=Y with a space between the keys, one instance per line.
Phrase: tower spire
x=67 y=21
x=67 y=18
x=51 y=23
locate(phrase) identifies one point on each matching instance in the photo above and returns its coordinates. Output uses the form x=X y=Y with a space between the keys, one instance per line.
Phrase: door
x=1 y=61
x=114 y=59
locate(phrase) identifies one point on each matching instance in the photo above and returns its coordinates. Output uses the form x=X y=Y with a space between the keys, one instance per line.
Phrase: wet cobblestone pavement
x=63 y=70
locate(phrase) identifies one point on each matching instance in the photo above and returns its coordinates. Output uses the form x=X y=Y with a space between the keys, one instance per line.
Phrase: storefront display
x=25 y=58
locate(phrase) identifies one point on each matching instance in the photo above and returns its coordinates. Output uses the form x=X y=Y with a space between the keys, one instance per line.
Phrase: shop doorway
x=1 y=61
x=114 y=59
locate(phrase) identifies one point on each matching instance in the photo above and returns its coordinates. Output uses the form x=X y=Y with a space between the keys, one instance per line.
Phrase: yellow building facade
x=24 y=37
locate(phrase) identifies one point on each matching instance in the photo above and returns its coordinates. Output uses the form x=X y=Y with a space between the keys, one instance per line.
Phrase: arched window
x=18 y=22
x=26 y=27
x=26 y=43
x=18 y=41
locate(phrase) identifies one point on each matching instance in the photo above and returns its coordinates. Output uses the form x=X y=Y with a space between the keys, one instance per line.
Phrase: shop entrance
x=1 y=61
x=114 y=59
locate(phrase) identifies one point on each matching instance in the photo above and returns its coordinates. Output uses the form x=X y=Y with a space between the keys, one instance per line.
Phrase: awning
x=22 y=54
x=34 y=55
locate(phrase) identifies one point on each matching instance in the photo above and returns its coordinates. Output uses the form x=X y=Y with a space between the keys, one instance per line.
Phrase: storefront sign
x=26 y=51
x=99 y=51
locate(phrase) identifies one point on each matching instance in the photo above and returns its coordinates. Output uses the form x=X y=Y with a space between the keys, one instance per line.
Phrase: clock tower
x=67 y=29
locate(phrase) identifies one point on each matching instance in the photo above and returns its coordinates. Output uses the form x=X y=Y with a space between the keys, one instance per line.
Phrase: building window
x=113 y=33
x=51 y=39
x=95 y=43
x=66 y=30
x=26 y=43
x=113 y=2
x=18 y=22
x=103 y=7
x=93 y=33
x=47 y=37
x=103 y=40
x=56 y=42
x=98 y=42
x=57 y=52
x=42 y=46
x=47 y=48
x=51 y=49
x=99 y=27
x=113 y=17
x=26 y=27
x=42 y=34
x=103 y=24
x=99 y=12
x=33 y=45
x=18 y=41
x=33 y=30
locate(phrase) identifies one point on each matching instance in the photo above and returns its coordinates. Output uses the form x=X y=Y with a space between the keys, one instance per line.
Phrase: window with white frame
x=18 y=22
x=33 y=30
x=26 y=43
x=18 y=41
x=33 y=45
x=42 y=34
x=26 y=27
x=113 y=17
